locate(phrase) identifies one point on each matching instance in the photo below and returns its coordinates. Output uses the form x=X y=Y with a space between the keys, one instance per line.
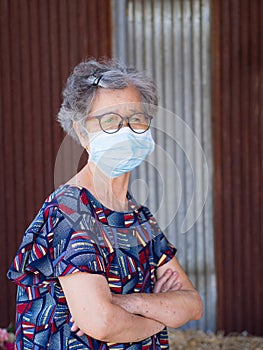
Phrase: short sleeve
x=54 y=246
x=164 y=251
x=75 y=250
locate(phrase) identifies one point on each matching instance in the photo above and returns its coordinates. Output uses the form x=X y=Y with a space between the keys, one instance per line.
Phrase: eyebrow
x=132 y=111
x=136 y=111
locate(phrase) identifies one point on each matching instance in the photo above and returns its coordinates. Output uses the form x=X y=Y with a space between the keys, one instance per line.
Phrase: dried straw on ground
x=198 y=340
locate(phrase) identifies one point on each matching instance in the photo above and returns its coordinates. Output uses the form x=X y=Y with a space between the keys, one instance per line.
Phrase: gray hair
x=82 y=86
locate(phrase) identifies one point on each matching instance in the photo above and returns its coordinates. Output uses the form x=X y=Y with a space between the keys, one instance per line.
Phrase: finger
x=177 y=286
x=162 y=280
x=80 y=333
x=170 y=282
x=74 y=327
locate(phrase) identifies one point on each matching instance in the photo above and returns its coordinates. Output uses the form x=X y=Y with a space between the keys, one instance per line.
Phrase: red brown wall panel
x=40 y=42
x=238 y=129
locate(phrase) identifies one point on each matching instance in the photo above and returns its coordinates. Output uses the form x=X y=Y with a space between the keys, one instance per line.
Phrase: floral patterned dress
x=74 y=232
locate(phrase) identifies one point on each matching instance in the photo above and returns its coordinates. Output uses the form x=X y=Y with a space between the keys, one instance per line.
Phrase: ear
x=82 y=134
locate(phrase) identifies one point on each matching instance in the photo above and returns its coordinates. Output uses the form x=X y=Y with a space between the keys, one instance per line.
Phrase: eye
x=139 y=118
x=110 y=122
x=110 y=118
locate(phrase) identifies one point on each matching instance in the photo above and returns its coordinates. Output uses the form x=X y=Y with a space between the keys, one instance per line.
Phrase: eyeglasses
x=112 y=122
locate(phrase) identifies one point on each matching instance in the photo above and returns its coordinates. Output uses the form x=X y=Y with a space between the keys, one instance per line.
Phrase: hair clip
x=97 y=80
x=93 y=79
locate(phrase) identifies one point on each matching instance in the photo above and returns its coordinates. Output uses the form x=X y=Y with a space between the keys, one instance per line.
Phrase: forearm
x=125 y=327
x=173 y=308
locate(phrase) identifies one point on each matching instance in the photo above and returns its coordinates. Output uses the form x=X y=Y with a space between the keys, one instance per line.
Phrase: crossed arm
x=131 y=317
x=174 y=302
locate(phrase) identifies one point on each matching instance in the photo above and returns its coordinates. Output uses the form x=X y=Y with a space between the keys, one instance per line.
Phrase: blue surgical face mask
x=121 y=152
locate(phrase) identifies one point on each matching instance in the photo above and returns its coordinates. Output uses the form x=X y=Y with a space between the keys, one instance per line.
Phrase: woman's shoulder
x=63 y=191
x=67 y=198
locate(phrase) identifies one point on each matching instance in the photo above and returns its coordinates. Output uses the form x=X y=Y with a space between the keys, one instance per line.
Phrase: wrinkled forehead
x=117 y=100
x=124 y=109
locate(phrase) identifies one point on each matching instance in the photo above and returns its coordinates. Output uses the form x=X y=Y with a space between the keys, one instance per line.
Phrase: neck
x=111 y=192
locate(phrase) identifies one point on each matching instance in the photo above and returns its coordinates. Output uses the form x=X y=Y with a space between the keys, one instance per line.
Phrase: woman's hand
x=167 y=282
x=75 y=328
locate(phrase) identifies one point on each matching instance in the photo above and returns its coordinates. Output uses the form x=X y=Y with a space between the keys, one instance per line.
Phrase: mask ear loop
x=87 y=134
x=83 y=131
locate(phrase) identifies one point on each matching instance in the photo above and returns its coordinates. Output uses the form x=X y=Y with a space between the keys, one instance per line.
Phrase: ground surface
x=198 y=340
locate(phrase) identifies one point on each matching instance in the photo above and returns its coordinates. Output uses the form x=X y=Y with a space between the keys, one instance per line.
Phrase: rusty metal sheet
x=40 y=42
x=237 y=129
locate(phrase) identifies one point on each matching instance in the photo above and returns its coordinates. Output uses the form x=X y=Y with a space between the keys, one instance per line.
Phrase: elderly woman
x=94 y=270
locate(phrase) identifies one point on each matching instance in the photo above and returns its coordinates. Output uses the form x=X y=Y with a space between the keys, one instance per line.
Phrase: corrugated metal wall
x=238 y=130
x=40 y=42
x=171 y=40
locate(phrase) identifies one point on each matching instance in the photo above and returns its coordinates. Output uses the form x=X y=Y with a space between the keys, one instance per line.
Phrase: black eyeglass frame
x=99 y=117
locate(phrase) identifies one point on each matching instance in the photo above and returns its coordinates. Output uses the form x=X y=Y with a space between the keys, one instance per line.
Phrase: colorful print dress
x=74 y=232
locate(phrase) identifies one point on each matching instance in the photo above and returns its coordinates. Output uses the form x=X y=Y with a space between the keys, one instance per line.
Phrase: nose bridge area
x=125 y=121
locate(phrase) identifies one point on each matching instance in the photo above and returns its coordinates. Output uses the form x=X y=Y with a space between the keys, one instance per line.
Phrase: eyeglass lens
x=111 y=122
